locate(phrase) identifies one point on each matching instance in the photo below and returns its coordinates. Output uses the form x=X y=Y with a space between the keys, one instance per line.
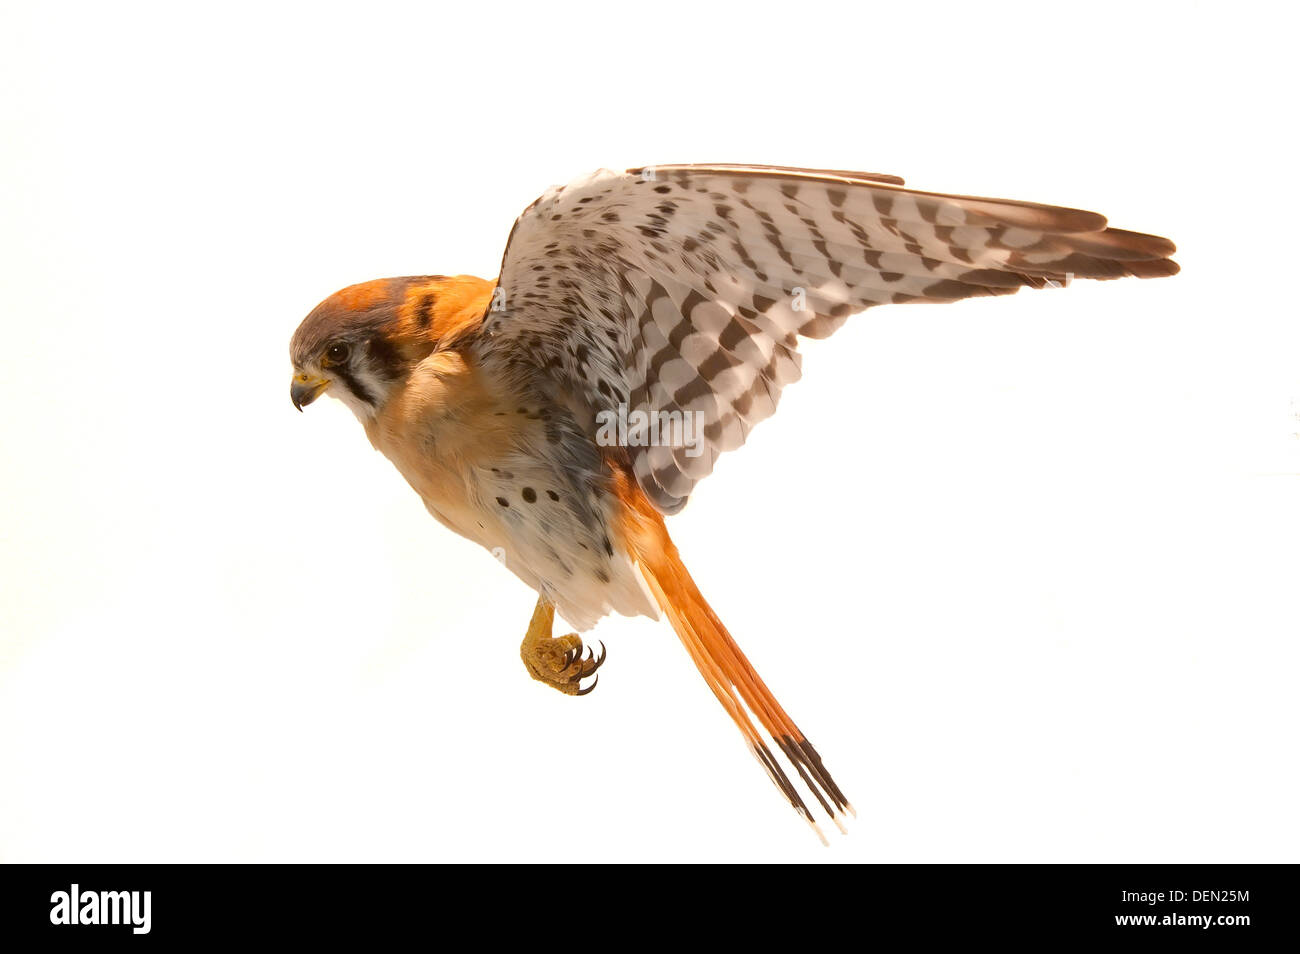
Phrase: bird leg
x=557 y=661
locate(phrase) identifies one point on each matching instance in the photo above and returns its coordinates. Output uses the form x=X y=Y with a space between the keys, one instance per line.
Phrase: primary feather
x=685 y=288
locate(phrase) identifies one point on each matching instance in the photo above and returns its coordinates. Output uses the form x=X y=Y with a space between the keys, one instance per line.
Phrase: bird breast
x=517 y=475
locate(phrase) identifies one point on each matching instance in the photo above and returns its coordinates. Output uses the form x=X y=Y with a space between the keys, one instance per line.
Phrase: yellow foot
x=558 y=661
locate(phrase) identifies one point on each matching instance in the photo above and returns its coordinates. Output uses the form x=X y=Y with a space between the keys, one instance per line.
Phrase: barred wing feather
x=686 y=288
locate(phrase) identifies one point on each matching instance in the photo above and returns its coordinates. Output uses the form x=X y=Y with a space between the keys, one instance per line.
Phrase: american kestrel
x=642 y=323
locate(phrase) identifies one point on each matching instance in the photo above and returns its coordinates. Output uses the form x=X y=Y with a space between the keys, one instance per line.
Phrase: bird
x=642 y=323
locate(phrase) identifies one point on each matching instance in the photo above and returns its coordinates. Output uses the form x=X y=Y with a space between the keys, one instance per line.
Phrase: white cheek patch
x=365 y=377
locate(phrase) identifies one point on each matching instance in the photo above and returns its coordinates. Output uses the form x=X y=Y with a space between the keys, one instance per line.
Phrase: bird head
x=361 y=343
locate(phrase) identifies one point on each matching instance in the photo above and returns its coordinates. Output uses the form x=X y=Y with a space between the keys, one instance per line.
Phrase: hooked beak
x=304 y=389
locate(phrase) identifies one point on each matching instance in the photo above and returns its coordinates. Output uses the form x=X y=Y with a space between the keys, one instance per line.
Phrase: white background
x=1024 y=569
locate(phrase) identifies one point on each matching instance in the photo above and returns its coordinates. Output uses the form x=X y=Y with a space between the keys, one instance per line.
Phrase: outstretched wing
x=683 y=290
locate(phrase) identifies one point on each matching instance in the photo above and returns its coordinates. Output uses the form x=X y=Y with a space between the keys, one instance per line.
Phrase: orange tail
x=724 y=667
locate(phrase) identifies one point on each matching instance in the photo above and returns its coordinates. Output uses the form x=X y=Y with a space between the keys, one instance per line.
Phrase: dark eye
x=336 y=353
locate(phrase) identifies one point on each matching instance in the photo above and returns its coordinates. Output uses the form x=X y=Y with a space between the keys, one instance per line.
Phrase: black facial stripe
x=387 y=361
x=350 y=382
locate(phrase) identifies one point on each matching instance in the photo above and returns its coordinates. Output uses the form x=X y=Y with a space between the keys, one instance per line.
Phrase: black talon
x=600 y=660
x=583 y=692
x=569 y=656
